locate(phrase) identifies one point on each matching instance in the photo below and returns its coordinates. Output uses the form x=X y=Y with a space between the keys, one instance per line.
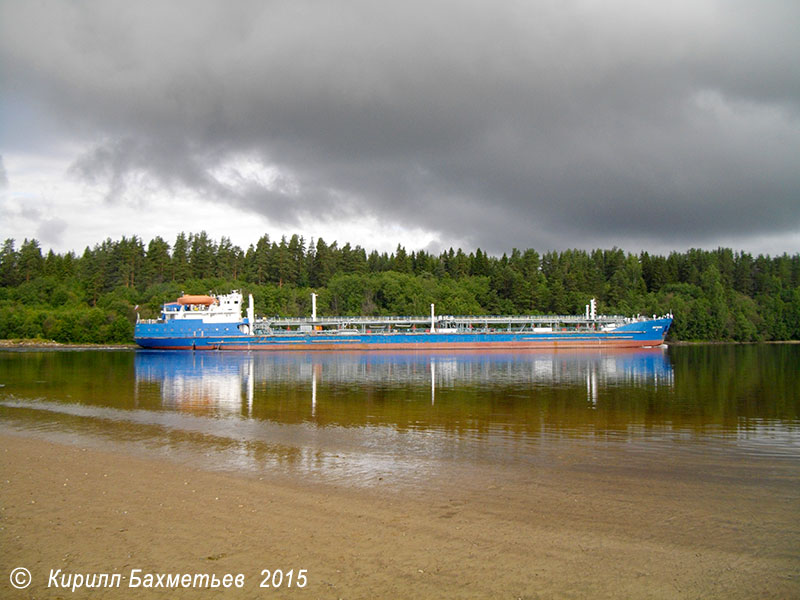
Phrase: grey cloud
x=50 y=231
x=30 y=212
x=3 y=174
x=530 y=124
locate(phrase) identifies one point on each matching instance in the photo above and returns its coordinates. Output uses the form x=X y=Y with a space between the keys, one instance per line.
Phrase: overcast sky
x=531 y=124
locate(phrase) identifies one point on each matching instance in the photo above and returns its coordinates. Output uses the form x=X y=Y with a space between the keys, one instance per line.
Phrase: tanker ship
x=216 y=323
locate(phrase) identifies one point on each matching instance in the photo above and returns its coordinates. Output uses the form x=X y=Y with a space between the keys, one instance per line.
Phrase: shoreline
x=34 y=344
x=559 y=532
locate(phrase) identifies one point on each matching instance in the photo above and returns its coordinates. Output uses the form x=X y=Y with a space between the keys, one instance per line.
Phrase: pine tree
x=401 y=263
x=181 y=271
x=31 y=262
x=201 y=256
x=297 y=255
x=9 y=264
x=157 y=261
x=324 y=264
x=260 y=260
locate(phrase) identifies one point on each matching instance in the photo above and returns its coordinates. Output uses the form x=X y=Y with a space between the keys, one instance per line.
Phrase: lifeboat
x=207 y=300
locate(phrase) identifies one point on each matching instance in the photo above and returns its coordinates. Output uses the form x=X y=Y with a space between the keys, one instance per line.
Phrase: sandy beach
x=88 y=511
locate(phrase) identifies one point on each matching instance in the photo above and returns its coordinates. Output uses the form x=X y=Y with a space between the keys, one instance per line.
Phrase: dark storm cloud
x=546 y=124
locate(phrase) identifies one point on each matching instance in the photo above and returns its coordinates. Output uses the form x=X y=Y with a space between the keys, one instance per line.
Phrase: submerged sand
x=637 y=535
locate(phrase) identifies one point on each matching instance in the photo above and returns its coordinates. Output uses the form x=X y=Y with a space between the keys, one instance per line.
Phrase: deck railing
x=441 y=320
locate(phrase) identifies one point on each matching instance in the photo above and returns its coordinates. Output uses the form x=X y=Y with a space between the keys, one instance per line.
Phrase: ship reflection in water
x=367 y=415
x=229 y=383
x=199 y=382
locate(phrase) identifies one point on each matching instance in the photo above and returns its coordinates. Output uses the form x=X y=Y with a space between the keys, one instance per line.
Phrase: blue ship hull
x=196 y=335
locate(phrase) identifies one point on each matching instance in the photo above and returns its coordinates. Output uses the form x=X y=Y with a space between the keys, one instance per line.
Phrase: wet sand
x=640 y=533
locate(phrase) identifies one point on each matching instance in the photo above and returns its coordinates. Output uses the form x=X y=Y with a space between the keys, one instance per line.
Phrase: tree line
x=95 y=297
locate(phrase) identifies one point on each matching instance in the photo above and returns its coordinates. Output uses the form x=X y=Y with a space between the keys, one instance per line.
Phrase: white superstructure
x=226 y=308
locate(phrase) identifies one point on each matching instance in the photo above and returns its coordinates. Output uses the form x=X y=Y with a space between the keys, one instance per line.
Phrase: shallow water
x=411 y=418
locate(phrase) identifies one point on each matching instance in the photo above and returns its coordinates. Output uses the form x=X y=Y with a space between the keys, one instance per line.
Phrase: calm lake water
x=409 y=418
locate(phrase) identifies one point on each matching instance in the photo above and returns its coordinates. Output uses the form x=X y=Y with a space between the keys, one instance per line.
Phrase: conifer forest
x=94 y=297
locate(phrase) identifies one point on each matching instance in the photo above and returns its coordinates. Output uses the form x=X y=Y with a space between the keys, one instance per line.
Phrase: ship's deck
x=443 y=322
